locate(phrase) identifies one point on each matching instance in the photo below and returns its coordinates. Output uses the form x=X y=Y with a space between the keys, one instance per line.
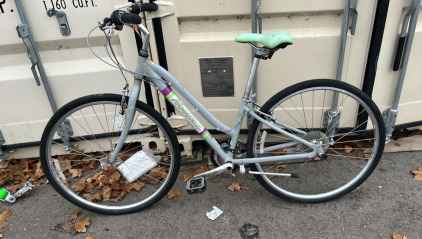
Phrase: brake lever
x=107 y=25
x=106 y=22
x=110 y=32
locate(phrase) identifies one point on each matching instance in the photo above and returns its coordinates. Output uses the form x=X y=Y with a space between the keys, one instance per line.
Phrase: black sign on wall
x=217 y=76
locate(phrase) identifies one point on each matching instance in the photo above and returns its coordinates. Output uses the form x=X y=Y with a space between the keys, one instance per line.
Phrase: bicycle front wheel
x=340 y=119
x=80 y=137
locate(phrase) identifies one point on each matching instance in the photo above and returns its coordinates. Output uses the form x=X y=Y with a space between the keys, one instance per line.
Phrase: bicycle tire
x=346 y=161
x=82 y=175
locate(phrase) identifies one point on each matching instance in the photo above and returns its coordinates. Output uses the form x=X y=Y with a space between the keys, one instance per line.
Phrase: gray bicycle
x=312 y=142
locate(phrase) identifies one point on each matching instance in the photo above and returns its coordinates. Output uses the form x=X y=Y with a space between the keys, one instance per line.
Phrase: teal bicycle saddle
x=270 y=40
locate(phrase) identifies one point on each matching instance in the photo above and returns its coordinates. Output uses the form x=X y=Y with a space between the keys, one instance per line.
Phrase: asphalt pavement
x=389 y=202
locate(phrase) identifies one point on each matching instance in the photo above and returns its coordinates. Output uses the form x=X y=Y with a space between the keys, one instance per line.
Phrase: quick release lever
x=62 y=19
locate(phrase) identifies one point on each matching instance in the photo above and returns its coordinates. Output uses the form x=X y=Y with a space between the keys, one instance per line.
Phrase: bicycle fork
x=130 y=114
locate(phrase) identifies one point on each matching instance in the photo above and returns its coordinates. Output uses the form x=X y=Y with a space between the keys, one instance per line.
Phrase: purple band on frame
x=203 y=131
x=166 y=91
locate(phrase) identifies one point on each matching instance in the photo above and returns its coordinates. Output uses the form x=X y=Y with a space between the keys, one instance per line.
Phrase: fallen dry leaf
x=93 y=197
x=4 y=216
x=16 y=187
x=75 y=172
x=75 y=214
x=190 y=175
x=80 y=185
x=65 y=227
x=117 y=196
x=245 y=187
x=89 y=237
x=38 y=170
x=398 y=236
x=276 y=169
x=234 y=187
x=279 y=152
x=348 y=149
x=158 y=173
x=174 y=193
x=81 y=224
x=363 y=145
x=418 y=173
x=106 y=194
x=332 y=150
x=4 y=164
x=136 y=186
x=355 y=155
x=64 y=164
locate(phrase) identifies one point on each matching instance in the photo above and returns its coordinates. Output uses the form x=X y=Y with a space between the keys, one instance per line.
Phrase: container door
x=410 y=104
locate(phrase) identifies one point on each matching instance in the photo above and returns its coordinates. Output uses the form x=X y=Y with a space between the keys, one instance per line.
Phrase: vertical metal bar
x=331 y=117
x=390 y=115
x=256 y=26
x=65 y=129
x=40 y=66
x=342 y=49
x=406 y=54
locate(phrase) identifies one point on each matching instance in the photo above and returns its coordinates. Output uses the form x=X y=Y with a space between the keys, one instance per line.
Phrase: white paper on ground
x=137 y=165
x=214 y=213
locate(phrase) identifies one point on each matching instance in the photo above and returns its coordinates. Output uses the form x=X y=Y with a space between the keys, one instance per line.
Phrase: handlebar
x=146 y=7
x=120 y=18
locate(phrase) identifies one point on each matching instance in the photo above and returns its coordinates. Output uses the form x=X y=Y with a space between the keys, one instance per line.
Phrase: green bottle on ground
x=3 y=194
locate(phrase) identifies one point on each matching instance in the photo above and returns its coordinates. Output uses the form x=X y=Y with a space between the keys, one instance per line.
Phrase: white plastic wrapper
x=137 y=165
x=216 y=212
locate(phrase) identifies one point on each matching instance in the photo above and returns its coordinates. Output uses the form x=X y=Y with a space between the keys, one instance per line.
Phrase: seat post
x=251 y=78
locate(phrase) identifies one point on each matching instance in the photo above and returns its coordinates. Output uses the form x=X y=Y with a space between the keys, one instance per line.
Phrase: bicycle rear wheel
x=350 y=133
x=146 y=167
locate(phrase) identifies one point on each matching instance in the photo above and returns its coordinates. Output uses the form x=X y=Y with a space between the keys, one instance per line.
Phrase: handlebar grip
x=146 y=7
x=120 y=17
x=399 y=53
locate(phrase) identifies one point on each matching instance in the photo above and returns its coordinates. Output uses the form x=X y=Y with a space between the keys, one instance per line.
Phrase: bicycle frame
x=164 y=82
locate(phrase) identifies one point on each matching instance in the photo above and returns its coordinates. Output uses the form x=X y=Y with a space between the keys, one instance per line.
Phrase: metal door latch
x=62 y=19
x=23 y=32
x=353 y=5
x=7 y=196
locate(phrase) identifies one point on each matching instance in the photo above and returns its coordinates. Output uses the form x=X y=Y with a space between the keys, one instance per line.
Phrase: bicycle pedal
x=196 y=185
